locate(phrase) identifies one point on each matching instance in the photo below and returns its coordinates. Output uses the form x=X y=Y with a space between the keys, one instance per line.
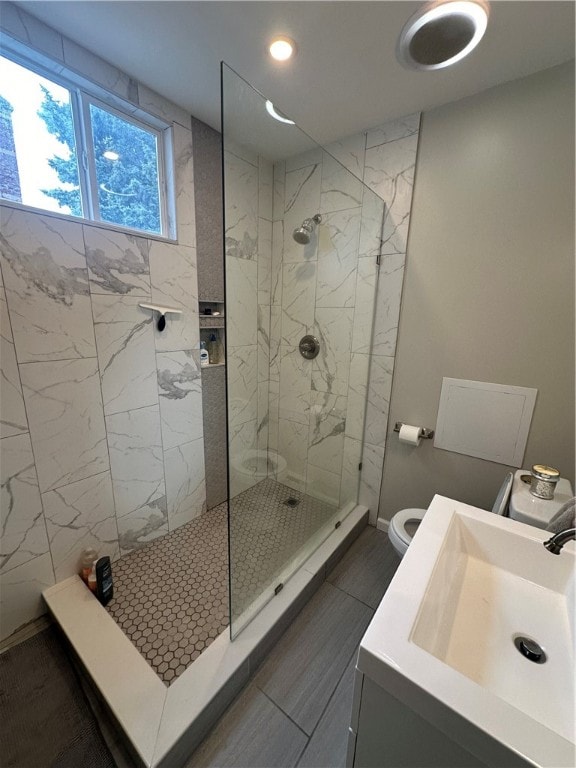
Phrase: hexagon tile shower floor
x=171 y=596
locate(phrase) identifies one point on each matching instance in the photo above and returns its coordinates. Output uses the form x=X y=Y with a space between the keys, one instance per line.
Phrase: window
x=63 y=150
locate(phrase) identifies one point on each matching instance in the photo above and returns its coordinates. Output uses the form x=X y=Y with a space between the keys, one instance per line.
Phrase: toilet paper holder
x=425 y=434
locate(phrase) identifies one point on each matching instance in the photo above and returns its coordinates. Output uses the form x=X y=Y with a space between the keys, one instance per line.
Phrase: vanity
x=469 y=659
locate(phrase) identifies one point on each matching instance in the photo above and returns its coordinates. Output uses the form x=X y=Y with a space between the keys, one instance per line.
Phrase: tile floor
x=296 y=709
x=171 y=596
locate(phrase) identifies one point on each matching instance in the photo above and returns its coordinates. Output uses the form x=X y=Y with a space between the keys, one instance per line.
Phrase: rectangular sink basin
x=443 y=638
x=490 y=586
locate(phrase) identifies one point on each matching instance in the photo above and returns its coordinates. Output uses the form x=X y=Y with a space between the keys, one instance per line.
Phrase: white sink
x=469 y=584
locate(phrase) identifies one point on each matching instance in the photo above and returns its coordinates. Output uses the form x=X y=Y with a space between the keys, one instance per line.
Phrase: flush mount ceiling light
x=277 y=115
x=282 y=48
x=440 y=34
x=109 y=154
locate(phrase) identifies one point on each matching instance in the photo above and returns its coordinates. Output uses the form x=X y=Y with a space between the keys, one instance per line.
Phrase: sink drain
x=530 y=649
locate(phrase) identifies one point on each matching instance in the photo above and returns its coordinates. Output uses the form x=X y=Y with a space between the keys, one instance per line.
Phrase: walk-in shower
x=295 y=419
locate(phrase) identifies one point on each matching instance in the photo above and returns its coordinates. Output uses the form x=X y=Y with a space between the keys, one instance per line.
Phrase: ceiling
x=344 y=78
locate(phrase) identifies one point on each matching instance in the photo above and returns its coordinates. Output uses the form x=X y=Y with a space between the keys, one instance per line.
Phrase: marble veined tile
x=64 y=405
x=295 y=376
x=293 y=447
x=340 y=188
x=135 y=443
x=366 y=284
x=357 y=389
x=323 y=485
x=277 y=262
x=350 y=152
x=13 y=419
x=80 y=516
x=372 y=224
x=263 y=415
x=241 y=301
x=22 y=523
x=338 y=258
x=390 y=166
x=388 y=300
x=242 y=383
x=21 y=593
x=241 y=207
x=180 y=397
x=174 y=280
x=265 y=188
x=379 y=388
x=126 y=355
x=263 y=342
x=393 y=130
x=326 y=432
x=118 y=263
x=333 y=328
x=242 y=442
x=184 y=169
x=278 y=192
x=185 y=484
x=46 y=282
x=82 y=60
x=264 y=260
x=275 y=340
x=371 y=478
x=313 y=156
x=350 y=479
x=138 y=528
x=390 y=173
x=20 y=25
x=298 y=296
x=302 y=201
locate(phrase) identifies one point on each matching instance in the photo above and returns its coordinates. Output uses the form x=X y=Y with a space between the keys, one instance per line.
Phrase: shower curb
x=164 y=725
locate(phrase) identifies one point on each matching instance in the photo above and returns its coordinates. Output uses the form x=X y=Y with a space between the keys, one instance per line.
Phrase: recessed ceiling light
x=109 y=154
x=277 y=115
x=282 y=48
x=440 y=34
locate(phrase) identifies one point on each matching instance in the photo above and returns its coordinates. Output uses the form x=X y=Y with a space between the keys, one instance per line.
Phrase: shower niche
x=302 y=234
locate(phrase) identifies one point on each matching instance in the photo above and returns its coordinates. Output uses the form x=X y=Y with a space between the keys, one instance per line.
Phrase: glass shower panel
x=302 y=236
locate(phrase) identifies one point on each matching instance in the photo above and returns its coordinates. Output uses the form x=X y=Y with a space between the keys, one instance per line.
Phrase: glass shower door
x=302 y=236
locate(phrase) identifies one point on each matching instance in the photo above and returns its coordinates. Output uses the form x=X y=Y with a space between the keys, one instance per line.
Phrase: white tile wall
x=101 y=415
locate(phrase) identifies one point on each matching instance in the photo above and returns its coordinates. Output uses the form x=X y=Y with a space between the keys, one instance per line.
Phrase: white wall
x=489 y=287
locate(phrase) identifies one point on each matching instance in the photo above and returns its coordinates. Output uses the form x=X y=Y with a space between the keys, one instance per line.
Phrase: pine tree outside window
x=63 y=150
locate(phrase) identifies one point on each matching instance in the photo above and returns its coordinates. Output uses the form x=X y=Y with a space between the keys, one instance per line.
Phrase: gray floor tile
x=367 y=568
x=305 y=667
x=327 y=747
x=253 y=733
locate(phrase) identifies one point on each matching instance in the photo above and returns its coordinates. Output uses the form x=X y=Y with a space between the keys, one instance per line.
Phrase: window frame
x=83 y=93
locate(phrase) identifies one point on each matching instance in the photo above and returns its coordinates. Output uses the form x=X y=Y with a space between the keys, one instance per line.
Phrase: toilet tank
x=529 y=509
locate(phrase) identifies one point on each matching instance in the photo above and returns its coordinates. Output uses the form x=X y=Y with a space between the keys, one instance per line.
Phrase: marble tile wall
x=101 y=415
x=248 y=235
x=329 y=415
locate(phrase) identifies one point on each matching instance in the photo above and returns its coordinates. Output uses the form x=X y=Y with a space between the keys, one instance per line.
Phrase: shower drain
x=530 y=649
x=292 y=502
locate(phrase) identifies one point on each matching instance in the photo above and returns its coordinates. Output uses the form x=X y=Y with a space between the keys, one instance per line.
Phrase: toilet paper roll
x=410 y=434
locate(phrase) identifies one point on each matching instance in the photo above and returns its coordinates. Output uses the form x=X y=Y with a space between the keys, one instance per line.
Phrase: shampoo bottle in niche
x=204 y=358
x=215 y=350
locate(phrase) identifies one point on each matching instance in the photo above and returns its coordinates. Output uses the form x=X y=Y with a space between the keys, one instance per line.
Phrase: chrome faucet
x=557 y=541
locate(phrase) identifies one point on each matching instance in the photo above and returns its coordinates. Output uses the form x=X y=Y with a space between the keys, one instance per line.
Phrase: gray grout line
x=271 y=700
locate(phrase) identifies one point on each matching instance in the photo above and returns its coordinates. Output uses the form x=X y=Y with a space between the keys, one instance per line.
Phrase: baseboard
x=382 y=525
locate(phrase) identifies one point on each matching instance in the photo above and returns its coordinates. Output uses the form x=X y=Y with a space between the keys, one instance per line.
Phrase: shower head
x=302 y=234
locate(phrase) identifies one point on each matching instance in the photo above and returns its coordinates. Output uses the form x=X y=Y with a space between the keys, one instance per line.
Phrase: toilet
x=514 y=499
